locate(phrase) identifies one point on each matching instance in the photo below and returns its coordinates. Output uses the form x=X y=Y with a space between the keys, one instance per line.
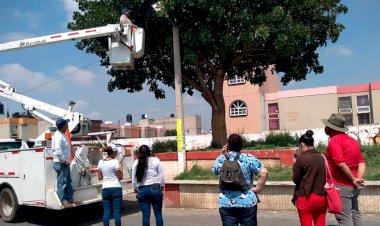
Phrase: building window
x=236 y=80
x=363 y=110
x=345 y=109
x=14 y=131
x=238 y=108
x=274 y=122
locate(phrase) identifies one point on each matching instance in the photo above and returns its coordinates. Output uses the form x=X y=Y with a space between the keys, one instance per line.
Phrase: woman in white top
x=110 y=171
x=148 y=183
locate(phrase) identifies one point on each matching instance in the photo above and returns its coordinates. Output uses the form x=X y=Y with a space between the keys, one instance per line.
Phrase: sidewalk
x=131 y=216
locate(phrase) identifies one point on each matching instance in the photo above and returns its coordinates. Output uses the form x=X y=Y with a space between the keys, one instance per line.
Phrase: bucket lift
x=125 y=42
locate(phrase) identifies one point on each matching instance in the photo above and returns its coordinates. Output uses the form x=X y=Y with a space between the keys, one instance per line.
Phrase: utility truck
x=27 y=177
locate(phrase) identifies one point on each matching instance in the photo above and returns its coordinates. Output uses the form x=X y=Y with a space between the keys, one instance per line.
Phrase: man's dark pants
x=234 y=216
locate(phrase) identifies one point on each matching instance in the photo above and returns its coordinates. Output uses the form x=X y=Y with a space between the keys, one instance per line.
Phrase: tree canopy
x=219 y=40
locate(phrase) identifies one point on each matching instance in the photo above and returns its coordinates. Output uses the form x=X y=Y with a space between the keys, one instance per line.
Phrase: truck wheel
x=8 y=205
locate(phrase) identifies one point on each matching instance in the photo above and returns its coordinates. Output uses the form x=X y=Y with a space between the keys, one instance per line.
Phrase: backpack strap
x=237 y=156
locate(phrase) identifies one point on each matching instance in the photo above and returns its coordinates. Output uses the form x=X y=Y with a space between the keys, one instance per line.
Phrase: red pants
x=312 y=208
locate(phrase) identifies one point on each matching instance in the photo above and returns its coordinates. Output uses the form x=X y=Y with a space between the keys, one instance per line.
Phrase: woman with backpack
x=309 y=175
x=237 y=196
x=148 y=183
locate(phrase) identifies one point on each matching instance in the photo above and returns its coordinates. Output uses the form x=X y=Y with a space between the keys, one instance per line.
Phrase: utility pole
x=179 y=103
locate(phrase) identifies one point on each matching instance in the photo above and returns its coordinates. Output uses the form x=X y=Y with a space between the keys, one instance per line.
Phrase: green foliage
x=280 y=174
x=164 y=146
x=219 y=40
x=197 y=173
x=281 y=139
x=170 y=132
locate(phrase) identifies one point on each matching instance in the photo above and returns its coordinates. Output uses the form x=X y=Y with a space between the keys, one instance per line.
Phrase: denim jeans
x=112 y=200
x=147 y=196
x=234 y=216
x=64 y=188
x=350 y=215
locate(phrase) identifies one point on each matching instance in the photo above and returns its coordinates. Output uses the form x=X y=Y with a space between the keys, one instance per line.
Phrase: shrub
x=164 y=146
x=170 y=132
x=281 y=139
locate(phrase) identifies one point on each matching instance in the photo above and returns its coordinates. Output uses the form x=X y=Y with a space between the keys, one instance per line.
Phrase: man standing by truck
x=61 y=158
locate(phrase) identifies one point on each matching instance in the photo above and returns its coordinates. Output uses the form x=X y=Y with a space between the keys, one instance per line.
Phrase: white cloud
x=15 y=36
x=80 y=104
x=22 y=78
x=31 y=18
x=340 y=50
x=70 y=6
x=192 y=100
x=95 y=115
x=78 y=76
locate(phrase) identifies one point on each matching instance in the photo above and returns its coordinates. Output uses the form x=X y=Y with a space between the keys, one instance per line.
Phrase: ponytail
x=144 y=153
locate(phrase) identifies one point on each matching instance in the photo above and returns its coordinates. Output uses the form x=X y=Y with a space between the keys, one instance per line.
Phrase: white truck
x=27 y=176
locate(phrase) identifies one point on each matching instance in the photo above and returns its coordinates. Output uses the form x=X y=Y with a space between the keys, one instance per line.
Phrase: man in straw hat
x=347 y=167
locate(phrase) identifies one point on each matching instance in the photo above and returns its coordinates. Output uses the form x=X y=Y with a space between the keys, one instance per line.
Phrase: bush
x=164 y=146
x=281 y=139
x=170 y=132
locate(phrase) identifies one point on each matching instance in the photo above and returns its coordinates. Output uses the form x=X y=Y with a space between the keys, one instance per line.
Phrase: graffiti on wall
x=367 y=135
x=292 y=116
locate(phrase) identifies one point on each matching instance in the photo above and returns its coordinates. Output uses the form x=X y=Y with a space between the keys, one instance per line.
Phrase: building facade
x=245 y=103
x=13 y=128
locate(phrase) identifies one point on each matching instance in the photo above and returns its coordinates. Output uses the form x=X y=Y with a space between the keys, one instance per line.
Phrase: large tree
x=218 y=39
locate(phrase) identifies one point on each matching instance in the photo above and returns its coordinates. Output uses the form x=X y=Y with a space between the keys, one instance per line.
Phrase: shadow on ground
x=81 y=215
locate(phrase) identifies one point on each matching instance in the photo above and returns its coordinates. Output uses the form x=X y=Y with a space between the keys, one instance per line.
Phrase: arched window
x=238 y=108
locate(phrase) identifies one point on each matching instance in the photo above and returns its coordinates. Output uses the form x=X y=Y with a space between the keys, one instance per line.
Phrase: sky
x=59 y=73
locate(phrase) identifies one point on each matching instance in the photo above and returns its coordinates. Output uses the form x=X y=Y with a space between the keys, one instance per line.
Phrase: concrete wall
x=276 y=196
x=306 y=111
x=376 y=105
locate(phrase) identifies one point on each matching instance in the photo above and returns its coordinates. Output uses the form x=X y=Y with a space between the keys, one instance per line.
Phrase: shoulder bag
x=334 y=201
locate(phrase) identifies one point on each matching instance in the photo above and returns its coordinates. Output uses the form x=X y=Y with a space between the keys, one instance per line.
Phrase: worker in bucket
x=124 y=18
x=61 y=163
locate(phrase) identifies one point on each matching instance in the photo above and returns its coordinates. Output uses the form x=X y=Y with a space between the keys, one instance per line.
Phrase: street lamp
x=180 y=127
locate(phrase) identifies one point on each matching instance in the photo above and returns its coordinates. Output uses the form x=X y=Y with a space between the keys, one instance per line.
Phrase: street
x=131 y=216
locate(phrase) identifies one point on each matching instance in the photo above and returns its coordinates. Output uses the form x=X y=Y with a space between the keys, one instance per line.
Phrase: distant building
x=12 y=128
x=192 y=123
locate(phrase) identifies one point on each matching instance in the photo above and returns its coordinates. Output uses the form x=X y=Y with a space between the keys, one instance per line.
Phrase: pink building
x=252 y=109
x=245 y=103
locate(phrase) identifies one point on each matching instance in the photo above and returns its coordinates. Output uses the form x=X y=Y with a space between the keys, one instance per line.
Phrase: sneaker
x=67 y=205
x=76 y=202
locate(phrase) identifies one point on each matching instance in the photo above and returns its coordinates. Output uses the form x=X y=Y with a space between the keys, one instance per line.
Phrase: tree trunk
x=218 y=125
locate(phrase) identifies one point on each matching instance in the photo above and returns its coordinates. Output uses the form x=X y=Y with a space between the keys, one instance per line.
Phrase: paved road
x=131 y=216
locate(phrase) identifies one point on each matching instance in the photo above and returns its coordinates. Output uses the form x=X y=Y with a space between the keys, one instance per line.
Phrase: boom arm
x=125 y=42
x=62 y=37
x=31 y=105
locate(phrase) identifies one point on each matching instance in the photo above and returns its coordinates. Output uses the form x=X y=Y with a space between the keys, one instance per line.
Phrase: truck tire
x=8 y=205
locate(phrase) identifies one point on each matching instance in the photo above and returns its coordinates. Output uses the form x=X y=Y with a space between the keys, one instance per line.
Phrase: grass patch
x=197 y=173
x=280 y=174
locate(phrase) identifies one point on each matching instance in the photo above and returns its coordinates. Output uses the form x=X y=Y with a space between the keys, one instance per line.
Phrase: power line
x=60 y=77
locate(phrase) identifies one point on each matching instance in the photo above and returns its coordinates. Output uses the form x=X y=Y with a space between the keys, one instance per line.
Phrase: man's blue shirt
x=250 y=166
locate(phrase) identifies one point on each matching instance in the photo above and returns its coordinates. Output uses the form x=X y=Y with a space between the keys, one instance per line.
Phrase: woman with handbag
x=309 y=175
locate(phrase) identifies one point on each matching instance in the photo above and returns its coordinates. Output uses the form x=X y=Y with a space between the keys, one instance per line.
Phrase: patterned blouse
x=250 y=166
